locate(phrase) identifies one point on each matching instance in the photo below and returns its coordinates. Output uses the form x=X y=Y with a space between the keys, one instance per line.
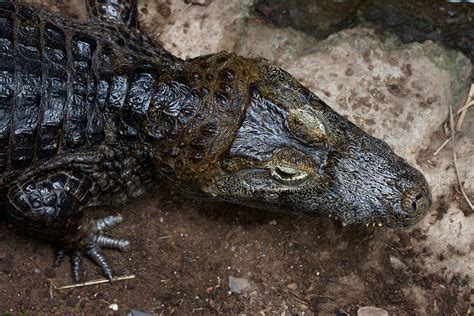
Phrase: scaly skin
x=95 y=114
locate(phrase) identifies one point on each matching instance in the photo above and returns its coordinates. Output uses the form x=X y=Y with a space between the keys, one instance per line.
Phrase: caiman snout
x=376 y=187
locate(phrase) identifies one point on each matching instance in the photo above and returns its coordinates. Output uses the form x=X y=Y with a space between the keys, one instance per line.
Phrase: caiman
x=95 y=113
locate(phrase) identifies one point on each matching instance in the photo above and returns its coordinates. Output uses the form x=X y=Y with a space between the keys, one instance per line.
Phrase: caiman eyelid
x=288 y=174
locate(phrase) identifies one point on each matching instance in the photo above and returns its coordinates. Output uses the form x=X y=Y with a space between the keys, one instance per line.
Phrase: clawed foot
x=90 y=243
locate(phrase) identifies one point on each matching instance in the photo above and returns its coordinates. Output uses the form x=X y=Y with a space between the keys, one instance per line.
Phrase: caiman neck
x=195 y=115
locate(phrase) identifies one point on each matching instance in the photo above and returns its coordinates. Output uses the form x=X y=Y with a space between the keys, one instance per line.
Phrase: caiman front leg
x=52 y=206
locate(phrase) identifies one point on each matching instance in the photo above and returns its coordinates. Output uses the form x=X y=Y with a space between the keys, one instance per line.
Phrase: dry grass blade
x=442 y=146
x=448 y=125
x=453 y=146
x=95 y=282
x=463 y=112
x=464 y=108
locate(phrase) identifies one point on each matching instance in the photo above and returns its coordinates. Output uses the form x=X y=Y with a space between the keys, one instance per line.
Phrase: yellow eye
x=288 y=174
x=289 y=165
x=306 y=125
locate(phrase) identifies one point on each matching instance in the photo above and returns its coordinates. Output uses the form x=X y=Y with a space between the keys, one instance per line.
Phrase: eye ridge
x=307 y=126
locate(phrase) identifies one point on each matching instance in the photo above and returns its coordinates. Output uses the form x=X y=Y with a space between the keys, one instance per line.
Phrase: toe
x=109 y=242
x=96 y=255
x=107 y=222
x=76 y=259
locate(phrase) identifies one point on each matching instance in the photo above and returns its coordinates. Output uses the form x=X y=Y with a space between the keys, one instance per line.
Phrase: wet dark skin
x=96 y=113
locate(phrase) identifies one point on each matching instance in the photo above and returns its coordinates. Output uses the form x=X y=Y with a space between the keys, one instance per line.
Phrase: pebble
x=292 y=286
x=114 y=307
x=397 y=263
x=238 y=285
x=371 y=311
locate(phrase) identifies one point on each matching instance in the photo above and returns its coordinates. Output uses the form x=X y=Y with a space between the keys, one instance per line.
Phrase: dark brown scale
x=55 y=80
x=26 y=104
x=138 y=99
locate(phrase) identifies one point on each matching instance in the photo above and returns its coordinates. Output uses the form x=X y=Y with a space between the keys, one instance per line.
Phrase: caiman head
x=292 y=151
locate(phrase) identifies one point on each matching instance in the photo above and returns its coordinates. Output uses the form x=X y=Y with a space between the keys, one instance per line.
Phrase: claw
x=96 y=255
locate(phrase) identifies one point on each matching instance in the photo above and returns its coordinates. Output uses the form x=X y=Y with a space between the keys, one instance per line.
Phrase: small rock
x=397 y=263
x=292 y=286
x=238 y=285
x=114 y=307
x=272 y=222
x=371 y=311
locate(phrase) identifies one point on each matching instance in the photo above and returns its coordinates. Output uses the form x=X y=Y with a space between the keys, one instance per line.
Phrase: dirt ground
x=184 y=251
x=183 y=254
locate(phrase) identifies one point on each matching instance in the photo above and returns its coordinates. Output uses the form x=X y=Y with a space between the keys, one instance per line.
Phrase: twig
x=453 y=146
x=442 y=146
x=297 y=298
x=95 y=282
x=301 y=301
x=464 y=108
x=461 y=119
x=463 y=115
x=462 y=112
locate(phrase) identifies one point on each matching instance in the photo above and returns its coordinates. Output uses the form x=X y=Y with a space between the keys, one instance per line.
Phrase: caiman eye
x=305 y=125
x=288 y=174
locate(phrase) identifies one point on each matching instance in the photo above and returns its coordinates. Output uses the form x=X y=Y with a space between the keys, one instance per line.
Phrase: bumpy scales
x=95 y=113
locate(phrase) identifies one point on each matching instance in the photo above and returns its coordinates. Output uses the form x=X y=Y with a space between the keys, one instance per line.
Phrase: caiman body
x=95 y=113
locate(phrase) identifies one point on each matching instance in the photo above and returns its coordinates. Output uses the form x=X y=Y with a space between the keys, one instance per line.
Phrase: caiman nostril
x=416 y=202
